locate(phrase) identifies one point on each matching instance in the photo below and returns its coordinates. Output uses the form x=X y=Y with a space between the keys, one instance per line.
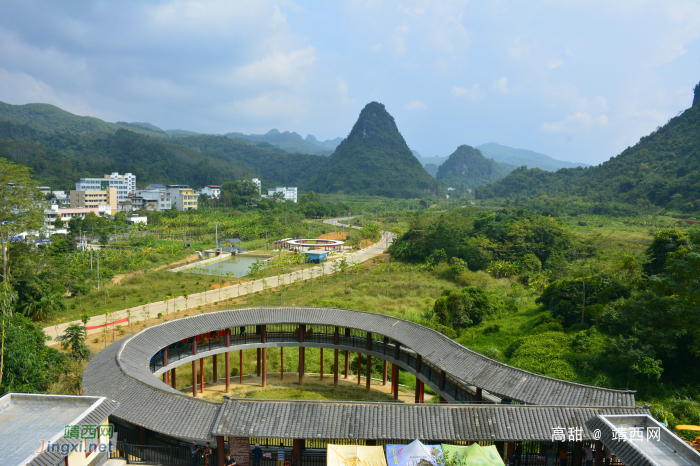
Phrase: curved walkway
x=123 y=371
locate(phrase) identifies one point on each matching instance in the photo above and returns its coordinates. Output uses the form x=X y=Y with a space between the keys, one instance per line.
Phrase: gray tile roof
x=122 y=371
x=27 y=419
x=311 y=419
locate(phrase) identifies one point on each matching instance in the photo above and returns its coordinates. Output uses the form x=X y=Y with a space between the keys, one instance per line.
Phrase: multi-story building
x=258 y=184
x=290 y=194
x=212 y=191
x=160 y=199
x=67 y=214
x=93 y=199
x=182 y=196
x=124 y=184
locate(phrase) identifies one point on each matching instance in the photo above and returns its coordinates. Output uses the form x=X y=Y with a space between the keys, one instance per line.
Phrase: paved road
x=147 y=311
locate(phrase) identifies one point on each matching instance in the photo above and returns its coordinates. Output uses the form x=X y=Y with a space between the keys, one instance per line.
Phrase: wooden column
x=336 y=340
x=166 y=374
x=359 y=368
x=142 y=437
x=395 y=374
x=598 y=453
x=227 y=361
x=194 y=378
x=416 y=397
x=173 y=378
x=215 y=374
x=391 y=389
x=321 y=375
x=281 y=363
x=395 y=381
x=297 y=448
x=240 y=370
x=302 y=354
x=578 y=453
x=369 y=360
x=264 y=356
x=257 y=371
x=201 y=373
x=347 y=356
x=220 y=453
x=386 y=363
x=478 y=397
x=194 y=367
x=422 y=392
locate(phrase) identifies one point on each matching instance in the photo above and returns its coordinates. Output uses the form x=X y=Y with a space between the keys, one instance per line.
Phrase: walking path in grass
x=147 y=311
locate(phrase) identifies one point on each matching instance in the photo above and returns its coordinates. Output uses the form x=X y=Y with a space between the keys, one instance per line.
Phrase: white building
x=125 y=184
x=67 y=214
x=162 y=199
x=61 y=198
x=259 y=185
x=290 y=194
x=212 y=191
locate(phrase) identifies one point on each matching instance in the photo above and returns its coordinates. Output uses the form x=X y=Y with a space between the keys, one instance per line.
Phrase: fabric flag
x=354 y=455
x=412 y=454
x=474 y=454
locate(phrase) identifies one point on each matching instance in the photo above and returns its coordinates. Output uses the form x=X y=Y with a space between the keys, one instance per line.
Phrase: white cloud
x=521 y=46
x=283 y=69
x=501 y=85
x=474 y=92
x=555 y=63
x=376 y=47
x=415 y=105
x=344 y=92
x=574 y=123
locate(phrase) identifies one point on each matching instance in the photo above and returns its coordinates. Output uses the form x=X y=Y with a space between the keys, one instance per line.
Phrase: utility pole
x=217 y=235
x=98 y=270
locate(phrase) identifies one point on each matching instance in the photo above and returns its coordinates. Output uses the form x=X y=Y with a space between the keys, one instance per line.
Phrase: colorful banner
x=354 y=455
x=474 y=454
x=413 y=454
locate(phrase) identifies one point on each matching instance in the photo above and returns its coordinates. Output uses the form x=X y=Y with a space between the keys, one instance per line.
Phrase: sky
x=576 y=80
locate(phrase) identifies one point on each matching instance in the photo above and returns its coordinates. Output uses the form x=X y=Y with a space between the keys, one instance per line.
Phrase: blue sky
x=579 y=81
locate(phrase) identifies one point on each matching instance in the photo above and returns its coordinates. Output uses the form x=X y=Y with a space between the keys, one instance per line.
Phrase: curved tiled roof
x=122 y=370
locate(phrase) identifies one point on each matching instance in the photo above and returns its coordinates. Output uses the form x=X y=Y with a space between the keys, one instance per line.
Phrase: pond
x=236 y=266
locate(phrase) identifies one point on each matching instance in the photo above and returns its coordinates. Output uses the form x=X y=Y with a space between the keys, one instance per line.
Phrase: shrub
x=492 y=329
x=544 y=354
x=463 y=308
x=492 y=353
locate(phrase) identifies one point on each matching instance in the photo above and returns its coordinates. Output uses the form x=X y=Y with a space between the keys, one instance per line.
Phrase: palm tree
x=73 y=341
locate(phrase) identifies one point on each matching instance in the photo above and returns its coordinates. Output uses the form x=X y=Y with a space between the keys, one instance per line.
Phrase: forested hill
x=49 y=118
x=374 y=160
x=275 y=166
x=468 y=168
x=60 y=159
x=662 y=169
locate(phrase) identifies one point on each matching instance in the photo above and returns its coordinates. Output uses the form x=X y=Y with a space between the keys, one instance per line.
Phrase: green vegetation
x=661 y=170
x=467 y=168
x=371 y=160
x=49 y=118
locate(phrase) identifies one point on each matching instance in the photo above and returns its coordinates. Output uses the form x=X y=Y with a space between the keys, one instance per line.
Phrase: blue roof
x=157 y=185
x=316 y=253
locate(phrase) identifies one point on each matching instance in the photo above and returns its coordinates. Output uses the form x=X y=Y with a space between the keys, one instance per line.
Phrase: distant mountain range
x=520 y=157
x=290 y=142
x=512 y=156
